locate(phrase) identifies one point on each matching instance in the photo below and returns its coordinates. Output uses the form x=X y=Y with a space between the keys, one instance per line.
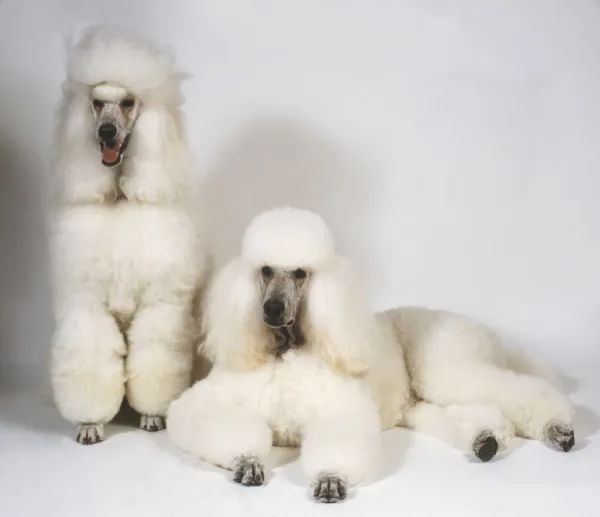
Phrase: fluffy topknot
x=115 y=55
x=289 y=238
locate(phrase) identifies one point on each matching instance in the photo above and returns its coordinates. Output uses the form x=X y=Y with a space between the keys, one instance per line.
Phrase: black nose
x=273 y=308
x=107 y=131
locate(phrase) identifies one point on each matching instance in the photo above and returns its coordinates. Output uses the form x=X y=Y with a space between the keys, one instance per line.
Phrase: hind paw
x=560 y=435
x=330 y=488
x=485 y=446
x=248 y=471
x=90 y=433
x=152 y=423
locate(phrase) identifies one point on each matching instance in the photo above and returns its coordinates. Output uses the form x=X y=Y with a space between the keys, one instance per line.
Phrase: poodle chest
x=127 y=254
x=292 y=390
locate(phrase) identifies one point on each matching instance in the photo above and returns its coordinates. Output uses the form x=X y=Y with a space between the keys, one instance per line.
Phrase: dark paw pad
x=89 y=434
x=152 y=423
x=248 y=471
x=485 y=446
x=560 y=435
x=330 y=488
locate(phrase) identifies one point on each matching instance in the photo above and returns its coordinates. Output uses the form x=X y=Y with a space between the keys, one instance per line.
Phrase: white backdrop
x=452 y=145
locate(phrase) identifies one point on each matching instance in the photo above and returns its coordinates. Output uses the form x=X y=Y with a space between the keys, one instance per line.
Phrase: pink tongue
x=109 y=155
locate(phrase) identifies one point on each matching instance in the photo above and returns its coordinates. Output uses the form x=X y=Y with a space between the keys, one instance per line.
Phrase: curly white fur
x=349 y=380
x=320 y=394
x=126 y=272
x=469 y=385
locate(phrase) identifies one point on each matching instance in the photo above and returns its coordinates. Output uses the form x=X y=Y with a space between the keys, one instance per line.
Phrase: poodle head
x=286 y=246
x=121 y=106
x=289 y=289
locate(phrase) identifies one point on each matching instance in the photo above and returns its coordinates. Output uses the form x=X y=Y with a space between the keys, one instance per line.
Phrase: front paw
x=485 y=446
x=152 y=423
x=248 y=471
x=90 y=433
x=330 y=488
x=560 y=435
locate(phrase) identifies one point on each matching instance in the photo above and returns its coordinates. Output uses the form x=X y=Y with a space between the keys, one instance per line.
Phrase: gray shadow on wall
x=24 y=289
x=274 y=162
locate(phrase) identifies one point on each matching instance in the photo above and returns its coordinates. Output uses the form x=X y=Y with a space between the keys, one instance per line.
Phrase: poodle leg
x=473 y=428
x=87 y=371
x=230 y=437
x=160 y=360
x=558 y=433
x=537 y=409
x=339 y=451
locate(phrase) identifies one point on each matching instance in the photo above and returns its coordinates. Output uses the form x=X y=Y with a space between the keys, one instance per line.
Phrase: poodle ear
x=235 y=336
x=79 y=171
x=340 y=322
x=159 y=162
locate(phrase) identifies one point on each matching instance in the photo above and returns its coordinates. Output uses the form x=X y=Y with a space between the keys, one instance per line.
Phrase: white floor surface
x=44 y=472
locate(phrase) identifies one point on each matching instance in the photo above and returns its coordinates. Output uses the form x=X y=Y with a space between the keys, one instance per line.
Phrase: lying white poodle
x=299 y=359
x=127 y=256
x=292 y=342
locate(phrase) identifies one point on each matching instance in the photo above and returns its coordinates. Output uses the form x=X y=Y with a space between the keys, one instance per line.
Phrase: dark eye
x=98 y=104
x=299 y=274
x=127 y=103
x=266 y=271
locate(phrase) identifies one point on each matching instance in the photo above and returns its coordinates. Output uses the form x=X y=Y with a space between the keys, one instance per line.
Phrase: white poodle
x=300 y=359
x=128 y=260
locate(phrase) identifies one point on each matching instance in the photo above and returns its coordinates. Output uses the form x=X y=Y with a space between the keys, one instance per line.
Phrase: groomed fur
x=128 y=258
x=471 y=389
x=111 y=54
x=288 y=237
x=319 y=395
x=338 y=327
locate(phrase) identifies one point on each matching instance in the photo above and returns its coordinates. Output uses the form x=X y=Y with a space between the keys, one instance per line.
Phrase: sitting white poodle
x=299 y=359
x=127 y=256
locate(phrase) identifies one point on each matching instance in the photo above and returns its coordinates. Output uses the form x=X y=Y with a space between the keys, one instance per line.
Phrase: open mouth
x=112 y=152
